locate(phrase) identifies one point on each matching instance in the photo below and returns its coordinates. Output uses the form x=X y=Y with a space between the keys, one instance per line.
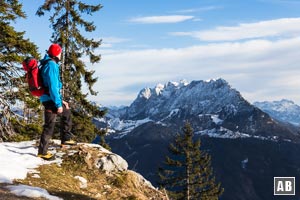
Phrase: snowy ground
x=18 y=159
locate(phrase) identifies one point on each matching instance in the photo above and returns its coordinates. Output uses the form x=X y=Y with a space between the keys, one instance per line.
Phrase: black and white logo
x=284 y=185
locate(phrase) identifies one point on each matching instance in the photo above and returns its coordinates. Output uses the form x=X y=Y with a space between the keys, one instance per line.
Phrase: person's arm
x=66 y=104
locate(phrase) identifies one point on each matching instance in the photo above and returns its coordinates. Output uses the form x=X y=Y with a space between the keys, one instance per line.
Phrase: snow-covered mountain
x=213 y=107
x=197 y=97
x=284 y=110
x=246 y=144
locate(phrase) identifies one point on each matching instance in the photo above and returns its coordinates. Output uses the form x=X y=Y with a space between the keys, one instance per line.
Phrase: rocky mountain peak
x=212 y=106
x=196 y=97
x=161 y=89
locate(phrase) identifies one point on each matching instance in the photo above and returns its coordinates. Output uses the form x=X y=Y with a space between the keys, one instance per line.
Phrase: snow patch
x=125 y=126
x=29 y=191
x=35 y=176
x=146 y=93
x=159 y=88
x=244 y=163
x=226 y=133
x=223 y=133
x=171 y=114
x=100 y=119
x=216 y=119
x=23 y=152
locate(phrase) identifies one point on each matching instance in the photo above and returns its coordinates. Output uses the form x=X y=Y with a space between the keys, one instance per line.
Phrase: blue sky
x=252 y=44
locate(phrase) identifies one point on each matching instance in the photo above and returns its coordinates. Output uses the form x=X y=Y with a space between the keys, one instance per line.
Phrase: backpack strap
x=44 y=62
x=41 y=67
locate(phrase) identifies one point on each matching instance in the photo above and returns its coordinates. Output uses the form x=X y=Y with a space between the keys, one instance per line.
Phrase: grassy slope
x=60 y=181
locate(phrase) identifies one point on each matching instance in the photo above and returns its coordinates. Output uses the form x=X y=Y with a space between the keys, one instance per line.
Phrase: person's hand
x=60 y=110
x=66 y=104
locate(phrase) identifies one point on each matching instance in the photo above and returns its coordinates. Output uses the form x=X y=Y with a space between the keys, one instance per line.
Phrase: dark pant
x=48 y=128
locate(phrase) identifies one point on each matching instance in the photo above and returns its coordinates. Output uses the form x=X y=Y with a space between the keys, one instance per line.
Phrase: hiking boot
x=69 y=142
x=48 y=156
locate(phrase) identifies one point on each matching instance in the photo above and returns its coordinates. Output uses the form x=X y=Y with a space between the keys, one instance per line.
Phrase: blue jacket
x=51 y=79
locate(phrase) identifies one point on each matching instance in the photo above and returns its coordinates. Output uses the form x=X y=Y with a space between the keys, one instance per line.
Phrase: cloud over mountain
x=237 y=62
x=284 y=27
x=161 y=19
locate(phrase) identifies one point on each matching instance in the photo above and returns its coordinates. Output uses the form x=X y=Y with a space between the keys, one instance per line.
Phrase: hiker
x=53 y=103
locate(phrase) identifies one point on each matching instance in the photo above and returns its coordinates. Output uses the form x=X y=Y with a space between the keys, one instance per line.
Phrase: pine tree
x=187 y=173
x=13 y=49
x=67 y=23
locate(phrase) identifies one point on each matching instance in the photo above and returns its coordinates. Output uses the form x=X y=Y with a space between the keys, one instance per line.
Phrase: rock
x=97 y=156
x=139 y=180
x=112 y=163
x=106 y=186
x=82 y=182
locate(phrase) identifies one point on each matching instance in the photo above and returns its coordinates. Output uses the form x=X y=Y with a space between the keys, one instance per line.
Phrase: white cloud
x=255 y=68
x=285 y=27
x=115 y=39
x=197 y=20
x=106 y=45
x=161 y=19
x=108 y=42
x=201 y=9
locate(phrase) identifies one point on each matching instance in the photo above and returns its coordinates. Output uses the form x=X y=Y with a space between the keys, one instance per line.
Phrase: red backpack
x=34 y=77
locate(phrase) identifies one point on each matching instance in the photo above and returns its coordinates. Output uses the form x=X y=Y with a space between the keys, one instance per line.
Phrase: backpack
x=34 y=77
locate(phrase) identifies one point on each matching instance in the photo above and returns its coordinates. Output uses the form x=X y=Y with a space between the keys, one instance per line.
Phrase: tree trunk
x=188 y=175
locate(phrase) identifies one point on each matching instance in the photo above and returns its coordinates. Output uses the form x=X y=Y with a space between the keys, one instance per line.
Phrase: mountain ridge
x=284 y=110
x=211 y=105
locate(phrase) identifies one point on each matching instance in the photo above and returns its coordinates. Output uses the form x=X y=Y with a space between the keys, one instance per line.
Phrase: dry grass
x=60 y=181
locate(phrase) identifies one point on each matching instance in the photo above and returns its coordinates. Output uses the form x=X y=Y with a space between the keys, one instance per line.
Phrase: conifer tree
x=13 y=49
x=67 y=22
x=187 y=174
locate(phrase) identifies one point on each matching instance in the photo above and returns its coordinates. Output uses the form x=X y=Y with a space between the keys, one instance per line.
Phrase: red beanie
x=54 y=50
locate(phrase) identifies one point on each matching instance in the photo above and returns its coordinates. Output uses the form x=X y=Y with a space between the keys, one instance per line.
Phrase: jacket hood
x=45 y=59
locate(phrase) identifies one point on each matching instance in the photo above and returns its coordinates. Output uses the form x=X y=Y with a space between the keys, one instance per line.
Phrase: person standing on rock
x=53 y=103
